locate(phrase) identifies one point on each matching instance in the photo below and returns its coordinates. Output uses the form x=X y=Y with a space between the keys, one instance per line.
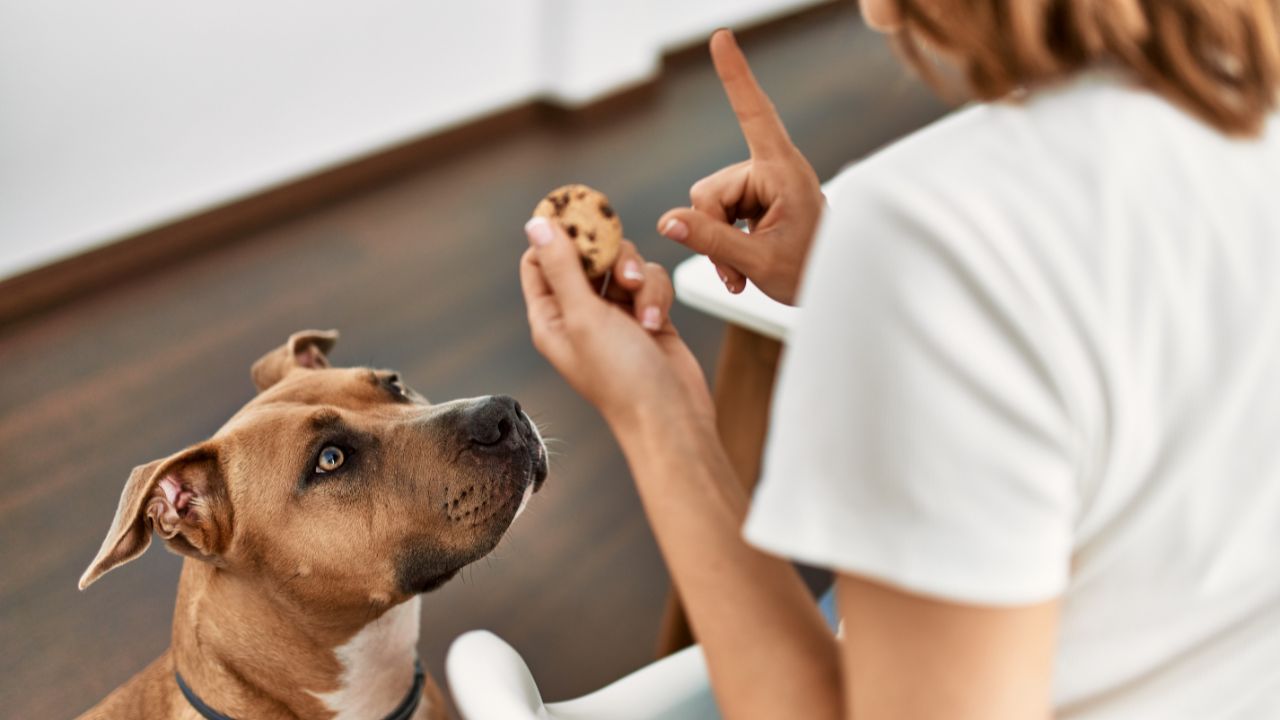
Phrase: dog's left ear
x=182 y=497
x=304 y=349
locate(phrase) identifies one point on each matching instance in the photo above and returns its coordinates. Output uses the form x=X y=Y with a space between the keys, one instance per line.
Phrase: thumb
x=714 y=238
x=559 y=260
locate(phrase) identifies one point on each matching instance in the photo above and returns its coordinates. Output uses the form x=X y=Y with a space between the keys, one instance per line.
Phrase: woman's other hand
x=622 y=353
x=776 y=191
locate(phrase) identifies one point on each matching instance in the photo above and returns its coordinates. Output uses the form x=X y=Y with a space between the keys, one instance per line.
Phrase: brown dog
x=310 y=523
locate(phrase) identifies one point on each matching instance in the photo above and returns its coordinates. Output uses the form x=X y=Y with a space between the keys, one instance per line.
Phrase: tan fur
x=284 y=566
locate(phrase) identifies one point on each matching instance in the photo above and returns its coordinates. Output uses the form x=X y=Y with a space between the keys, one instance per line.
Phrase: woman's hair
x=1220 y=59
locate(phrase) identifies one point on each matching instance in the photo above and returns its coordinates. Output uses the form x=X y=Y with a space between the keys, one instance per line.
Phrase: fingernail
x=539 y=231
x=651 y=319
x=723 y=278
x=631 y=271
x=675 y=230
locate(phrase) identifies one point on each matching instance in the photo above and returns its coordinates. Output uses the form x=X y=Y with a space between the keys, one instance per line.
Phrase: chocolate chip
x=591 y=236
x=606 y=210
x=572 y=230
x=558 y=204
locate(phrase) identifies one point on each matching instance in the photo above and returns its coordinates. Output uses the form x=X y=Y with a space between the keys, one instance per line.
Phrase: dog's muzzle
x=498 y=426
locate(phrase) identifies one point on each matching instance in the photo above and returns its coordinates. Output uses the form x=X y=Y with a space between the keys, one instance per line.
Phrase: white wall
x=121 y=115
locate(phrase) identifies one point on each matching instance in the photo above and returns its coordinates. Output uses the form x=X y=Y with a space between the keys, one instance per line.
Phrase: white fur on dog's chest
x=377 y=666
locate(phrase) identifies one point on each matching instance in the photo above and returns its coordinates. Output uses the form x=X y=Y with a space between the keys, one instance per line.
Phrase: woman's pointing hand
x=776 y=192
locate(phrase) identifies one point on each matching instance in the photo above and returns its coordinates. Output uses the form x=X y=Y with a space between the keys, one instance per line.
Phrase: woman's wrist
x=651 y=423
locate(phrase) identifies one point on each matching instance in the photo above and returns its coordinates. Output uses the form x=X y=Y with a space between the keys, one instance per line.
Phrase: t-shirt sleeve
x=918 y=436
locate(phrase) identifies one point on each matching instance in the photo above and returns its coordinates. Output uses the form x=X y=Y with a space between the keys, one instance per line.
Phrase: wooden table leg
x=743 y=389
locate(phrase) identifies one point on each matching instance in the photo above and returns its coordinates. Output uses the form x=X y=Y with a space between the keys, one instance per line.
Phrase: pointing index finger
x=757 y=117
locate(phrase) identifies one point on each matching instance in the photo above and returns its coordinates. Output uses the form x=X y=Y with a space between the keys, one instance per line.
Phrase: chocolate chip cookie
x=589 y=219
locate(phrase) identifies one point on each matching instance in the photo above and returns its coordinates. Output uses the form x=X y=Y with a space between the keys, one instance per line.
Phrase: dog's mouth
x=538 y=474
x=423 y=566
x=540 y=465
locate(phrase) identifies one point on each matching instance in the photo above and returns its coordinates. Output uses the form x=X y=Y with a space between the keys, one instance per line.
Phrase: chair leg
x=745 y=373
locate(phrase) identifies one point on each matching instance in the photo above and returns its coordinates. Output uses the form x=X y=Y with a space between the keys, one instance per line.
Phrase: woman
x=1030 y=416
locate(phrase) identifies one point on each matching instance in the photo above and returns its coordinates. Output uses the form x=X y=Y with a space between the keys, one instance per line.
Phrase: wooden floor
x=419 y=275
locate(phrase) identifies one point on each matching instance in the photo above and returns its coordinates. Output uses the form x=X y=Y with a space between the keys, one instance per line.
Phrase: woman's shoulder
x=1057 y=138
x=1060 y=171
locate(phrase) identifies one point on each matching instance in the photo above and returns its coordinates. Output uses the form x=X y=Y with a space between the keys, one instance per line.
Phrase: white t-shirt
x=1039 y=356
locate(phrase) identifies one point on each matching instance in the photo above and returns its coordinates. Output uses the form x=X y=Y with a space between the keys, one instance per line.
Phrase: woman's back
x=1054 y=332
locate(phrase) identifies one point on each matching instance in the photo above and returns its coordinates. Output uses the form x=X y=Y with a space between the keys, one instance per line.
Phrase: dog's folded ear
x=182 y=497
x=304 y=349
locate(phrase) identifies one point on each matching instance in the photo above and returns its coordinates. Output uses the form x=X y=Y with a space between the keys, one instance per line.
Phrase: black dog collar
x=403 y=711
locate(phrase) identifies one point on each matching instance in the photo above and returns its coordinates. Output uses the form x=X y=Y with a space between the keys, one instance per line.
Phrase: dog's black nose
x=492 y=421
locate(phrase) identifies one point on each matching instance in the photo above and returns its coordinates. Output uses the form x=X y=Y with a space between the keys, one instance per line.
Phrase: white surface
x=1040 y=356
x=490 y=681
x=121 y=115
x=698 y=286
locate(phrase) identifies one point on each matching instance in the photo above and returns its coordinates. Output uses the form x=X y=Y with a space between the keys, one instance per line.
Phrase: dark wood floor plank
x=419 y=275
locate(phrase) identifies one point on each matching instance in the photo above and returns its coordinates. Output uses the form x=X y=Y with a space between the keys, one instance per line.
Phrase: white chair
x=489 y=679
x=698 y=286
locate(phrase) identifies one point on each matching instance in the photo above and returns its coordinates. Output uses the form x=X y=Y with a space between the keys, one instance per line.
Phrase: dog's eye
x=331 y=458
x=396 y=386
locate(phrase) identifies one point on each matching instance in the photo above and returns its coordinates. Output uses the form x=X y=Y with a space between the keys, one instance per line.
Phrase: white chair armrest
x=490 y=681
x=673 y=688
x=698 y=286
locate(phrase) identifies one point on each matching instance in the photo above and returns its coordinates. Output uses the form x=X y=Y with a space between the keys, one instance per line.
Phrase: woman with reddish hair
x=1030 y=414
